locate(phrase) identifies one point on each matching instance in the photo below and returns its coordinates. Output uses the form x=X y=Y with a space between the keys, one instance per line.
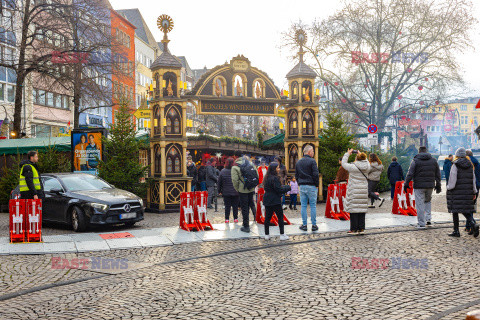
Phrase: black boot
x=290 y=206
x=476 y=230
x=455 y=233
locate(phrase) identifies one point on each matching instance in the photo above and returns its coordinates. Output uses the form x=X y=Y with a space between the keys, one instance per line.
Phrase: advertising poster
x=86 y=150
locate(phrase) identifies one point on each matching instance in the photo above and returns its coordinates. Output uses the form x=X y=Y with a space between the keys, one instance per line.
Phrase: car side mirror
x=56 y=191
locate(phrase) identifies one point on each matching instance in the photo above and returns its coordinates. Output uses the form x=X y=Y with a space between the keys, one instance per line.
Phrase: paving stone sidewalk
x=301 y=280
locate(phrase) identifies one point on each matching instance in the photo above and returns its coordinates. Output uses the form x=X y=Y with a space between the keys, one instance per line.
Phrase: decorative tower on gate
x=168 y=140
x=301 y=125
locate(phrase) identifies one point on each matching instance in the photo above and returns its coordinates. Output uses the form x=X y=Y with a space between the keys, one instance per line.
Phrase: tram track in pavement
x=437 y=316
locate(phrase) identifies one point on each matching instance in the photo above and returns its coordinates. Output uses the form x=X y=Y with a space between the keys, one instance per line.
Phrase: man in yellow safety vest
x=30 y=184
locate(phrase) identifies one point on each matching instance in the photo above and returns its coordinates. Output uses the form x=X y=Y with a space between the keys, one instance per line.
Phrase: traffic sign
x=372 y=128
x=372 y=139
x=142 y=113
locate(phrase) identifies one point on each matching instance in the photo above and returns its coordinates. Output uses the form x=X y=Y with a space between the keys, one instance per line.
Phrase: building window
x=10 y=93
x=173 y=121
x=292 y=124
x=292 y=156
x=463 y=107
x=173 y=160
x=50 y=99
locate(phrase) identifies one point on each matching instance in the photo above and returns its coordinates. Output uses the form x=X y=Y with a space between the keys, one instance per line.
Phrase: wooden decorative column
x=302 y=113
x=168 y=136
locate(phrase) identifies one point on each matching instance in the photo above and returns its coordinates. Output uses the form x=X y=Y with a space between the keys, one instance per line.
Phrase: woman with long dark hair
x=230 y=195
x=376 y=168
x=272 y=200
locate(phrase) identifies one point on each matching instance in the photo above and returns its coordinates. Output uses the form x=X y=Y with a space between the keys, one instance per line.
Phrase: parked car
x=80 y=200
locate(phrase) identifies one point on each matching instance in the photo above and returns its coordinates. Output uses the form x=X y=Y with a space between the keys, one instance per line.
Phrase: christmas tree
x=121 y=166
x=335 y=140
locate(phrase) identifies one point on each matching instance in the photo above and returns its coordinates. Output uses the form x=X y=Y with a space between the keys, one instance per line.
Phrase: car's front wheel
x=79 y=221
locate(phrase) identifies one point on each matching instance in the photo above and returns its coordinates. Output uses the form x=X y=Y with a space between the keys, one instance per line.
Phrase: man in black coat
x=394 y=174
x=306 y=173
x=211 y=179
x=425 y=173
x=31 y=186
x=192 y=172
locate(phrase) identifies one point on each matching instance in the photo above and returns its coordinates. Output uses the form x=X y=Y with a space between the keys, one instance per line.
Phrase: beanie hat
x=461 y=153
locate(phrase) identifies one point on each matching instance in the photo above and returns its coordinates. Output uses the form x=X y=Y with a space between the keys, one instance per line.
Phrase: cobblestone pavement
x=308 y=277
x=153 y=220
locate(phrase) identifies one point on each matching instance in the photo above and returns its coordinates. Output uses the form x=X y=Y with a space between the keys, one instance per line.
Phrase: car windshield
x=82 y=182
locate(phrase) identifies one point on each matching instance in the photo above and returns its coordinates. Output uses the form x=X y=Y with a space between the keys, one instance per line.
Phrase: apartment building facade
x=146 y=51
x=123 y=79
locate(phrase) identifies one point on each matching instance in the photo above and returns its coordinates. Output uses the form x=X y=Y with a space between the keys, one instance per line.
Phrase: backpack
x=249 y=175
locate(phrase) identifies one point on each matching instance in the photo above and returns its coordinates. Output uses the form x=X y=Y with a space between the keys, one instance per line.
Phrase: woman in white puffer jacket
x=356 y=200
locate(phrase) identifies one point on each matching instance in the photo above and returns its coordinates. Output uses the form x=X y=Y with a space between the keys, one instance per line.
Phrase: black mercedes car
x=80 y=199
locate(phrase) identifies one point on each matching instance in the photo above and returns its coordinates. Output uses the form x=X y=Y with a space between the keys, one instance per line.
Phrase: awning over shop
x=22 y=146
x=274 y=140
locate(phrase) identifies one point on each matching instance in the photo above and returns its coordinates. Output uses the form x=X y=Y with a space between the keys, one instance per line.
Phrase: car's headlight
x=141 y=202
x=99 y=206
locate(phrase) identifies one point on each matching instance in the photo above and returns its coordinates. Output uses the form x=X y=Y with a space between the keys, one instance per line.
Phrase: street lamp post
x=440 y=145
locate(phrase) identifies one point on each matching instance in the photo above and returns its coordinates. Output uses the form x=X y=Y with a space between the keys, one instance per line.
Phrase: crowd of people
x=240 y=179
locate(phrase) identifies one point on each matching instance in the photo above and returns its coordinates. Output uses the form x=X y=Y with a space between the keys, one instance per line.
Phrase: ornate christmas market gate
x=234 y=88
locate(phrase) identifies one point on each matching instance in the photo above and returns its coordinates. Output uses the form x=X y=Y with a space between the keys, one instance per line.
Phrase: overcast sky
x=210 y=32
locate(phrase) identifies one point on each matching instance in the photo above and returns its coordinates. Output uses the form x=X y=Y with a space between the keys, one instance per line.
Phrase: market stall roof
x=275 y=139
x=22 y=146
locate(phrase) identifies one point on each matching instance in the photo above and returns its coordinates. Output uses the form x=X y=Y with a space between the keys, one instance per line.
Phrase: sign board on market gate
x=142 y=113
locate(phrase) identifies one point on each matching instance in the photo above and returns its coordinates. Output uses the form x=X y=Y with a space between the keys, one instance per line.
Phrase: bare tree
x=64 y=44
x=380 y=56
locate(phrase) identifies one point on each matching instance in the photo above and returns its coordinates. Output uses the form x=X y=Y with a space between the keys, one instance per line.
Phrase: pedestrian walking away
x=192 y=172
x=245 y=180
x=425 y=173
x=202 y=178
x=356 y=200
x=461 y=192
x=230 y=195
x=283 y=177
x=307 y=175
x=447 y=165
x=394 y=174
x=211 y=180
x=342 y=174
x=376 y=168
x=30 y=184
x=293 y=193
x=272 y=200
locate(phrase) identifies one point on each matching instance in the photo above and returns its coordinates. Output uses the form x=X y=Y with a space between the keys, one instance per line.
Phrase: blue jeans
x=308 y=194
x=283 y=199
x=293 y=200
x=203 y=186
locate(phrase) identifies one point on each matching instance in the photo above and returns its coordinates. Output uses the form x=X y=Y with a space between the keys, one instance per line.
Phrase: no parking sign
x=372 y=128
